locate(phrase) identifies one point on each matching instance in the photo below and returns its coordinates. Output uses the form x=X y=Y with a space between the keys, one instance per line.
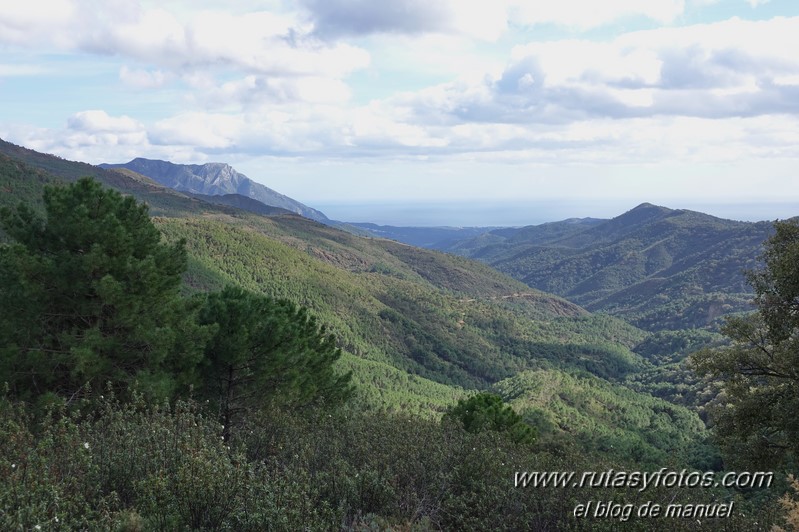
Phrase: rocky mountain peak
x=215 y=179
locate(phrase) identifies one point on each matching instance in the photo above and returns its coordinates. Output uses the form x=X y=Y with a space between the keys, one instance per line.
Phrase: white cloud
x=255 y=42
x=486 y=20
x=733 y=68
x=792 y=79
x=255 y=90
x=587 y=15
x=376 y=127
x=97 y=121
x=93 y=136
x=199 y=130
x=481 y=19
x=32 y=22
x=568 y=61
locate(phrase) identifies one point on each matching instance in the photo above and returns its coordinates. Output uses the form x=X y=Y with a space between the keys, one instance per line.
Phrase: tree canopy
x=486 y=411
x=90 y=294
x=266 y=351
x=757 y=422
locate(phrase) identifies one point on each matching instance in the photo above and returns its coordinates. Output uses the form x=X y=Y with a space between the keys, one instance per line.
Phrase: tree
x=266 y=351
x=486 y=411
x=757 y=422
x=89 y=294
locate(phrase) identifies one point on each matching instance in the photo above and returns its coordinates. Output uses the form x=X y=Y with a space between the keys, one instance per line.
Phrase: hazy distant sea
x=518 y=213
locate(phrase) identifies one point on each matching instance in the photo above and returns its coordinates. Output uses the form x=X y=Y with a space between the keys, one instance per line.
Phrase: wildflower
x=85 y=445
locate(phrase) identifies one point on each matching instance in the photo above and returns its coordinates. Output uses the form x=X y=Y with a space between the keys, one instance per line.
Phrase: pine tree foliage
x=486 y=411
x=89 y=294
x=267 y=351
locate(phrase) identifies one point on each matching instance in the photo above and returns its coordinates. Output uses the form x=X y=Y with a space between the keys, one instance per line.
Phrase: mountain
x=214 y=179
x=25 y=172
x=659 y=268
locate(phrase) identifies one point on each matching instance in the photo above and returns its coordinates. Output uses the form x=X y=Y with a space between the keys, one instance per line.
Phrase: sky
x=426 y=112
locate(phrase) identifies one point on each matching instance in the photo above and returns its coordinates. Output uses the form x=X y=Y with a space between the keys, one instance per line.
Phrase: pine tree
x=266 y=351
x=89 y=294
x=486 y=411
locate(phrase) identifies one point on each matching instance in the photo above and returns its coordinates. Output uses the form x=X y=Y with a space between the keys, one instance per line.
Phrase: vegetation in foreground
x=134 y=466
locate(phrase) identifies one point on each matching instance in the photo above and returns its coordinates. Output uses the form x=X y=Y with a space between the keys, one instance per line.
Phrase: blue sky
x=367 y=109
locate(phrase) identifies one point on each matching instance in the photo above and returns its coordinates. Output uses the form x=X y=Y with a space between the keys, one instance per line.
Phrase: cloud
x=97 y=121
x=92 y=136
x=202 y=131
x=95 y=130
x=727 y=69
x=26 y=23
x=474 y=18
x=256 y=90
x=480 y=19
x=258 y=42
x=266 y=85
x=334 y=18
x=385 y=133
x=587 y=15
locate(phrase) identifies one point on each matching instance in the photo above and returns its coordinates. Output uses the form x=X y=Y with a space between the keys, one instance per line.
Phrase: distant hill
x=423 y=237
x=214 y=179
x=242 y=202
x=498 y=240
x=659 y=268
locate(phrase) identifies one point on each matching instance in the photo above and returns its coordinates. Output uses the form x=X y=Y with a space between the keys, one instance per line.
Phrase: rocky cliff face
x=215 y=179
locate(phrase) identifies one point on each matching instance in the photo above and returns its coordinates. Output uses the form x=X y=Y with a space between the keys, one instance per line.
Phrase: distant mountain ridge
x=657 y=267
x=214 y=179
x=244 y=203
x=423 y=237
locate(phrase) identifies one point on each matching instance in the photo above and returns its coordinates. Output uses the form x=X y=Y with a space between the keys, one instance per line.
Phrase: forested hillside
x=658 y=268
